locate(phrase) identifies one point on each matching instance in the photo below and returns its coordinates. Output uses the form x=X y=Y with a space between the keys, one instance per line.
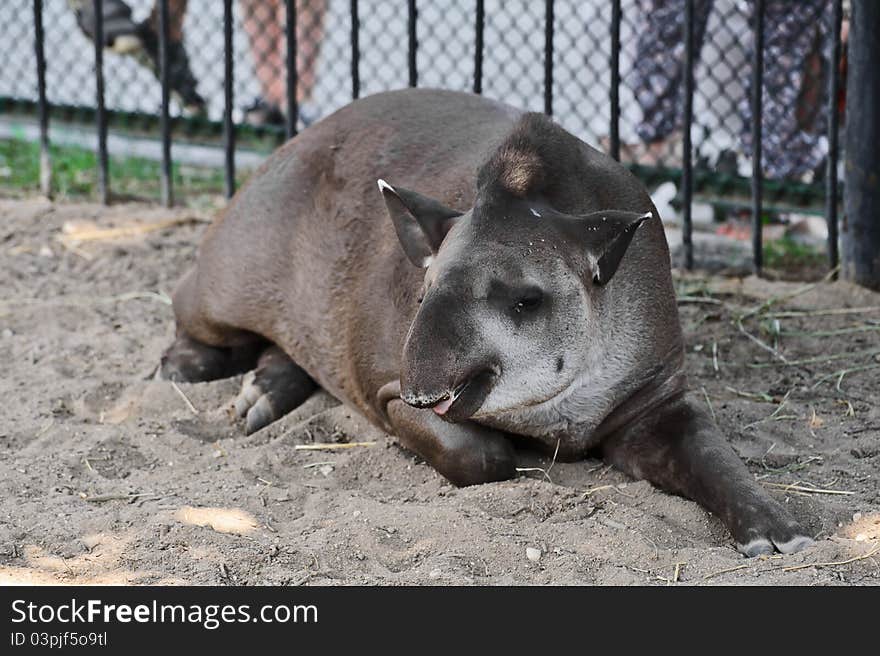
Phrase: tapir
x=471 y=278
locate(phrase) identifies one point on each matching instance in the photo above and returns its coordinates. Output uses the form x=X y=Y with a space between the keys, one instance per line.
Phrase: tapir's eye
x=528 y=300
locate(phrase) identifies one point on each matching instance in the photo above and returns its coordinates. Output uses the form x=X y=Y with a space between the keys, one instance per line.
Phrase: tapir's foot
x=277 y=386
x=680 y=449
x=762 y=526
x=188 y=360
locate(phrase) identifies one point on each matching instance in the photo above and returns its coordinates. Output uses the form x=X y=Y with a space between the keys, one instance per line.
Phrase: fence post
x=548 y=57
x=100 y=114
x=687 y=163
x=757 y=101
x=478 y=47
x=614 y=129
x=355 y=51
x=164 y=117
x=43 y=105
x=412 y=43
x=228 y=99
x=292 y=73
x=860 y=229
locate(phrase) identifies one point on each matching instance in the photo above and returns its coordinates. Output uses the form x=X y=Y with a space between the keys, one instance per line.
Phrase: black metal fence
x=593 y=65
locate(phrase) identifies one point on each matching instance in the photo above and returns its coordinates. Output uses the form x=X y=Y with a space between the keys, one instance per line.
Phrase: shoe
x=263 y=113
x=120 y=31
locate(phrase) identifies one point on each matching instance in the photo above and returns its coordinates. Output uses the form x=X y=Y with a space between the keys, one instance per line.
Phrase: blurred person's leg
x=795 y=109
x=264 y=22
x=181 y=80
x=657 y=77
x=124 y=36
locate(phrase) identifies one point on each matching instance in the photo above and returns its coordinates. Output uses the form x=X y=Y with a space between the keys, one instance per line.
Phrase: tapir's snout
x=459 y=401
x=443 y=368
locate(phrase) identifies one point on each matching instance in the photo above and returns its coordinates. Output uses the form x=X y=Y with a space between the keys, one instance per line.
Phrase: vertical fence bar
x=833 y=123
x=164 y=119
x=413 y=44
x=100 y=114
x=355 y=51
x=292 y=73
x=478 y=47
x=42 y=103
x=757 y=134
x=614 y=131
x=860 y=228
x=687 y=171
x=228 y=127
x=548 y=57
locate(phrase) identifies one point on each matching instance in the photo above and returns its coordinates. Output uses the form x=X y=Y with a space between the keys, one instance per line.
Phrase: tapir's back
x=305 y=254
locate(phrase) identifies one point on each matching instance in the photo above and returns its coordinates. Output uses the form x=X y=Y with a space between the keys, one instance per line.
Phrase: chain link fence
x=513 y=68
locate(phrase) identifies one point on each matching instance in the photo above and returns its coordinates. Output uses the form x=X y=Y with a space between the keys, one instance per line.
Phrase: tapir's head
x=509 y=300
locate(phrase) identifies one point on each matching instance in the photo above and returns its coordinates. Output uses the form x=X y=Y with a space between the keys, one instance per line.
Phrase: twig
x=827 y=333
x=775 y=414
x=815 y=360
x=796 y=487
x=698 y=299
x=330 y=446
x=75 y=235
x=766 y=305
x=759 y=396
x=546 y=472
x=823 y=313
x=832 y=563
x=598 y=488
x=100 y=498
x=776 y=354
x=724 y=571
x=677 y=572
x=843 y=372
x=709 y=403
x=318 y=464
x=185 y=399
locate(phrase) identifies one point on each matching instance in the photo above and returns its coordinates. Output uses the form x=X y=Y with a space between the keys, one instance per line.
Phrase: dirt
x=107 y=476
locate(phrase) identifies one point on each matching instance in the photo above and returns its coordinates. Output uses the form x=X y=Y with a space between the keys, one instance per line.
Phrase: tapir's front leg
x=465 y=453
x=679 y=449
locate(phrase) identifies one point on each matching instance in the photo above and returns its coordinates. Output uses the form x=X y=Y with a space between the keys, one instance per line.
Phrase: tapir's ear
x=608 y=235
x=421 y=222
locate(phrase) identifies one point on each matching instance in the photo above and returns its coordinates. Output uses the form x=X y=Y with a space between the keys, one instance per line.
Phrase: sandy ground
x=107 y=476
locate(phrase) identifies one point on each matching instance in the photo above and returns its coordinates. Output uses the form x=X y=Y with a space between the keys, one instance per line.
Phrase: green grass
x=786 y=253
x=75 y=174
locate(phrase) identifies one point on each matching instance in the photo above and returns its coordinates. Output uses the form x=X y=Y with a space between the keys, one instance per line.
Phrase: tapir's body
x=305 y=278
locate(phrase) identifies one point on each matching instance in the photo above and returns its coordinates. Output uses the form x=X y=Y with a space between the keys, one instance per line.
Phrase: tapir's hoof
x=763 y=546
x=276 y=387
x=772 y=529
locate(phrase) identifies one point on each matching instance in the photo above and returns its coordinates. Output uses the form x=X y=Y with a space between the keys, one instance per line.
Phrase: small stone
x=435 y=574
x=325 y=470
x=857 y=516
x=533 y=554
x=7 y=333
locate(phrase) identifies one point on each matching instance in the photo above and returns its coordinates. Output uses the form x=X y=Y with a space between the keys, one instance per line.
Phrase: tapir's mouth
x=465 y=398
